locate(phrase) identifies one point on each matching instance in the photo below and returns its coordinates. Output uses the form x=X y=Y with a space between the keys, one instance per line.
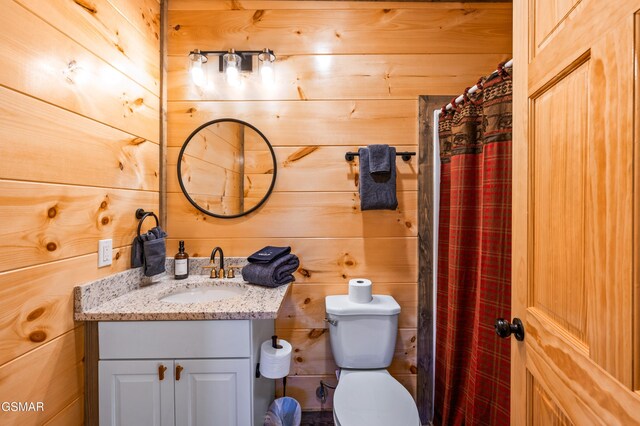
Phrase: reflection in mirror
x=226 y=168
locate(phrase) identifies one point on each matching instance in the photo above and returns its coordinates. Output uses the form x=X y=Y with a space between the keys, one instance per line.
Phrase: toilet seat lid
x=373 y=398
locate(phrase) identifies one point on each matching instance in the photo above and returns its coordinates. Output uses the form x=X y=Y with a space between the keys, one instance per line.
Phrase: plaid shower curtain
x=474 y=257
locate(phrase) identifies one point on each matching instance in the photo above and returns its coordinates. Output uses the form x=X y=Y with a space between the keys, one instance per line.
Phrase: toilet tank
x=362 y=335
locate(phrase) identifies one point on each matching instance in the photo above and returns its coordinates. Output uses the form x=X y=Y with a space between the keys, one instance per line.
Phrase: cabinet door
x=213 y=392
x=134 y=393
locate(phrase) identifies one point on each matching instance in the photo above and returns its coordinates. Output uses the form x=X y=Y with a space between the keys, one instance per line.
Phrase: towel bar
x=406 y=155
x=141 y=215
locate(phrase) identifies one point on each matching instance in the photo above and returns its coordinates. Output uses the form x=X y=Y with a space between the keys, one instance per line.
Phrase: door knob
x=504 y=329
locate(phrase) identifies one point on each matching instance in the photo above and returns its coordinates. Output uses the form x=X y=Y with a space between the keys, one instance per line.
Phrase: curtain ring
x=465 y=96
x=502 y=71
x=454 y=105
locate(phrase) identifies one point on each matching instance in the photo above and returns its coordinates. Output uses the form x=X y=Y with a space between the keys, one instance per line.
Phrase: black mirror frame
x=184 y=190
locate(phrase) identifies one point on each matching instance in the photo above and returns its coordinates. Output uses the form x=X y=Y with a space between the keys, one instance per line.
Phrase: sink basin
x=204 y=294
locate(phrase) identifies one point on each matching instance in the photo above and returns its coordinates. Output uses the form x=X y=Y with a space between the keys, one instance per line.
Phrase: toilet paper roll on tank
x=360 y=290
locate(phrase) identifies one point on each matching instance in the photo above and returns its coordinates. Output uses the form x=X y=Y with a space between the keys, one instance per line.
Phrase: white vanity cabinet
x=182 y=373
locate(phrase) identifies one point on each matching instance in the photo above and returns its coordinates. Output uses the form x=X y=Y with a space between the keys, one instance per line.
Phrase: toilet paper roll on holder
x=274 y=345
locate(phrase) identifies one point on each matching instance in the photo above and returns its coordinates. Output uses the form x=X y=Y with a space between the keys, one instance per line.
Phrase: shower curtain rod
x=459 y=99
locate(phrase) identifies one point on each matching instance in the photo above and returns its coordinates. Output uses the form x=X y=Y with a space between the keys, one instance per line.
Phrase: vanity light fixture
x=232 y=63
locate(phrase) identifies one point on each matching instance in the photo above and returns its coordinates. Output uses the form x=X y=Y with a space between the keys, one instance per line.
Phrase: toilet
x=363 y=338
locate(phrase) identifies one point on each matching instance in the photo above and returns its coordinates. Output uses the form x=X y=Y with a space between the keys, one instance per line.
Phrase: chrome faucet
x=220 y=272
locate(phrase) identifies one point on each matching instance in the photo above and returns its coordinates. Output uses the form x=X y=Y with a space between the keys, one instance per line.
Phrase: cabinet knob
x=161 y=370
x=179 y=369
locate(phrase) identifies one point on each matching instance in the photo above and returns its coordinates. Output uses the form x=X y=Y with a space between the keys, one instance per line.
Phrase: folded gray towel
x=377 y=191
x=273 y=274
x=379 y=159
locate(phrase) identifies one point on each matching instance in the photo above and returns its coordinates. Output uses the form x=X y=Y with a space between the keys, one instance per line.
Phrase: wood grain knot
x=257 y=16
x=52 y=246
x=299 y=359
x=86 y=6
x=117 y=255
x=38 y=336
x=120 y=165
x=52 y=212
x=103 y=205
x=177 y=27
x=413 y=369
x=413 y=339
x=304 y=272
x=35 y=314
x=105 y=220
x=137 y=141
x=307 y=300
x=316 y=332
x=300 y=153
x=301 y=94
x=408 y=224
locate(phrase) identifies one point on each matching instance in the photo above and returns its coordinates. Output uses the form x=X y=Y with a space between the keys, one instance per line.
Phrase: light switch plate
x=105 y=250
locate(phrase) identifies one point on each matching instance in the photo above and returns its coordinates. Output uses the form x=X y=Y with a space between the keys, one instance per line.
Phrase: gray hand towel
x=379 y=161
x=155 y=253
x=273 y=274
x=149 y=251
x=137 y=256
x=377 y=191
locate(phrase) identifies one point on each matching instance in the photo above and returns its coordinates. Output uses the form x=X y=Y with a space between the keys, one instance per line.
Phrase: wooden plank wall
x=79 y=150
x=348 y=74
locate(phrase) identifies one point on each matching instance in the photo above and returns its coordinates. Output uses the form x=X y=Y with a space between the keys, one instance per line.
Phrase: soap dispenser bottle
x=181 y=263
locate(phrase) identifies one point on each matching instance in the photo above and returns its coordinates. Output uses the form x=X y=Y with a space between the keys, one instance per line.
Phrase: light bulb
x=197 y=68
x=267 y=73
x=232 y=68
x=267 y=67
x=233 y=76
x=197 y=75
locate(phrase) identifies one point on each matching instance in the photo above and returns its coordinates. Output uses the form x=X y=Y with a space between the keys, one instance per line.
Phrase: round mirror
x=226 y=168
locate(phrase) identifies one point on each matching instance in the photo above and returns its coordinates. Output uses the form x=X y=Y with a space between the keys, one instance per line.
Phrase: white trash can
x=283 y=411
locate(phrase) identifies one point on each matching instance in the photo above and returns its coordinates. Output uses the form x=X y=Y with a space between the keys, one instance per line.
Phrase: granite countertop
x=128 y=296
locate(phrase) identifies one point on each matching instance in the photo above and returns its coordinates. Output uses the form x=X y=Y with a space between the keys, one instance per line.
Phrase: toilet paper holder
x=274 y=345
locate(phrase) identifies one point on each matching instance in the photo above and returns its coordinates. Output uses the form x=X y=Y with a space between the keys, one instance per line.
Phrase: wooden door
x=135 y=393
x=575 y=213
x=213 y=392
